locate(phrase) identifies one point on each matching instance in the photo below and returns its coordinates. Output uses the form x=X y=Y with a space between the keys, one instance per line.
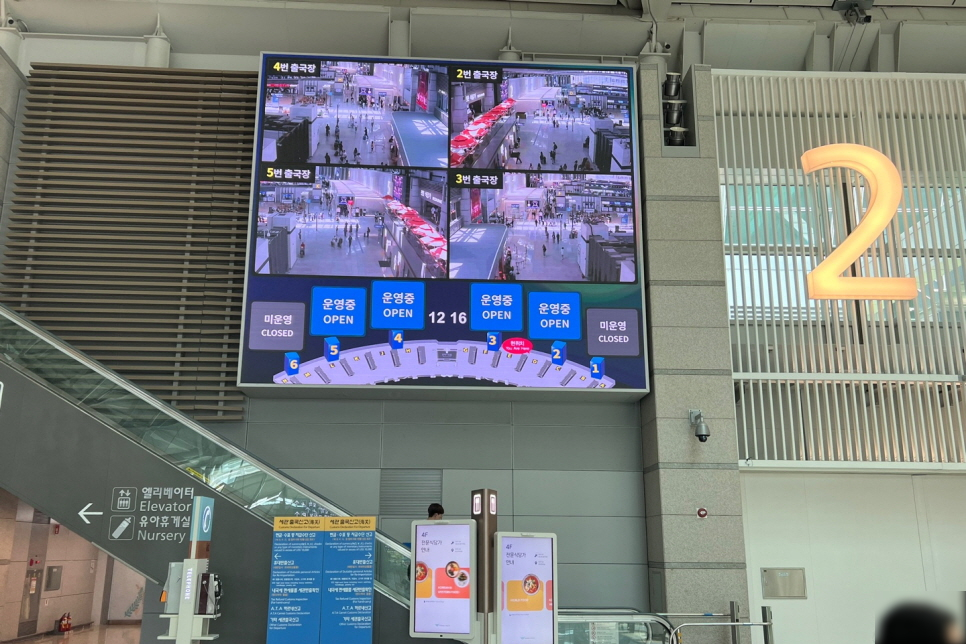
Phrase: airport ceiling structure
x=791 y=35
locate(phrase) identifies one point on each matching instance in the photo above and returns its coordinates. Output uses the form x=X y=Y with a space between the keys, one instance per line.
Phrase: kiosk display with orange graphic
x=526 y=566
x=442 y=579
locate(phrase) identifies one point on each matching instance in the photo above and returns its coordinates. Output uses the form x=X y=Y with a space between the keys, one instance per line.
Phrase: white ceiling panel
x=232 y=30
x=101 y=17
x=442 y=35
x=900 y=13
x=469 y=34
x=227 y=28
x=604 y=35
x=932 y=48
x=942 y=14
x=750 y=46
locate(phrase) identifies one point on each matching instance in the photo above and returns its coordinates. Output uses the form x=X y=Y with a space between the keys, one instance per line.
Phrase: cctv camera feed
x=543 y=120
x=358 y=113
x=545 y=228
x=352 y=221
x=444 y=224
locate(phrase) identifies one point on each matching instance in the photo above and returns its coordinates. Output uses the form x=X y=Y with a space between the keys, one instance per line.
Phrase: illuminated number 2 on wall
x=882 y=179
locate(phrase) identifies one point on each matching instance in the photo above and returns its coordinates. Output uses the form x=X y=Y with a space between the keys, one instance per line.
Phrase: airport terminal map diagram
x=444 y=223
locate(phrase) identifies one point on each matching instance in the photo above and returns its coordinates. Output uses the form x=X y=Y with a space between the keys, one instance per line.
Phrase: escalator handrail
x=177 y=415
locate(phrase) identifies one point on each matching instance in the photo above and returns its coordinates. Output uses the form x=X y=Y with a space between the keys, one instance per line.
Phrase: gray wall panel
x=398 y=529
x=237 y=433
x=456 y=446
x=269 y=410
x=603 y=540
x=578 y=414
x=573 y=469
x=447 y=412
x=561 y=494
x=355 y=490
x=578 y=448
x=286 y=445
x=602 y=586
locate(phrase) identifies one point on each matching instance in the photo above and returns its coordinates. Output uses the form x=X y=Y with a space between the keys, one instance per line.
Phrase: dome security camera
x=701 y=430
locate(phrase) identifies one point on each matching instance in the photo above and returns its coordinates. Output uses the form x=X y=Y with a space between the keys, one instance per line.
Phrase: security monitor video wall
x=428 y=223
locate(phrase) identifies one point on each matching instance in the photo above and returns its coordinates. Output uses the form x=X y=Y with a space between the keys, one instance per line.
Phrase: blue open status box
x=496 y=307
x=338 y=310
x=554 y=316
x=398 y=305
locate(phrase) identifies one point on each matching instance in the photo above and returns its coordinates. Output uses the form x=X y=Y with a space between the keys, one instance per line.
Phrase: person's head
x=435 y=512
x=918 y=624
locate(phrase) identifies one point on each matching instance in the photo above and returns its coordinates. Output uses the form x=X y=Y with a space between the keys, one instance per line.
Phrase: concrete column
x=695 y=564
x=458 y=103
x=489 y=97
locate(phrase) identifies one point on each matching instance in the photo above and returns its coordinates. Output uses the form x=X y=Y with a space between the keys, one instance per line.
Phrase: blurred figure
x=918 y=624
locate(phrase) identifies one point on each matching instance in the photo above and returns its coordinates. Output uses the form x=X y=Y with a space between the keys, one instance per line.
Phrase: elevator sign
x=149 y=513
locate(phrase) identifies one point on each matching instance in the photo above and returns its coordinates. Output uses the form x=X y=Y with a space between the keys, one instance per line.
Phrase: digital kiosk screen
x=527 y=594
x=443 y=579
x=444 y=224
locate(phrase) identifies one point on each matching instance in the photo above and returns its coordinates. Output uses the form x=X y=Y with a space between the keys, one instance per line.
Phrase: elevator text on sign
x=884 y=184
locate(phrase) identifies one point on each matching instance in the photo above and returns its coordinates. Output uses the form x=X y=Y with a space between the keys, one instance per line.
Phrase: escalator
x=91 y=450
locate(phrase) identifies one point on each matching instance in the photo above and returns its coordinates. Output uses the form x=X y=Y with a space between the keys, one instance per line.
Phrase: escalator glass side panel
x=122 y=406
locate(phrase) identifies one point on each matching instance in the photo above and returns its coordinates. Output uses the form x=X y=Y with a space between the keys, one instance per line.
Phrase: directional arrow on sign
x=84 y=513
x=368 y=555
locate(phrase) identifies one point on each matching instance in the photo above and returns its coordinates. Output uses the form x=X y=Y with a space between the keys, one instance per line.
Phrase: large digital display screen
x=443 y=579
x=444 y=224
x=526 y=570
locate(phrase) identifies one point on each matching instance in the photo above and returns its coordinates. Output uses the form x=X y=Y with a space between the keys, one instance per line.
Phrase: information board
x=322 y=579
x=525 y=580
x=444 y=224
x=443 y=579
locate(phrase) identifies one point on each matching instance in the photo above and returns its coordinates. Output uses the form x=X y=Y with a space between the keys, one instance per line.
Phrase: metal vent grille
x=407 y=493
x=128 y=228
x=834 y=379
